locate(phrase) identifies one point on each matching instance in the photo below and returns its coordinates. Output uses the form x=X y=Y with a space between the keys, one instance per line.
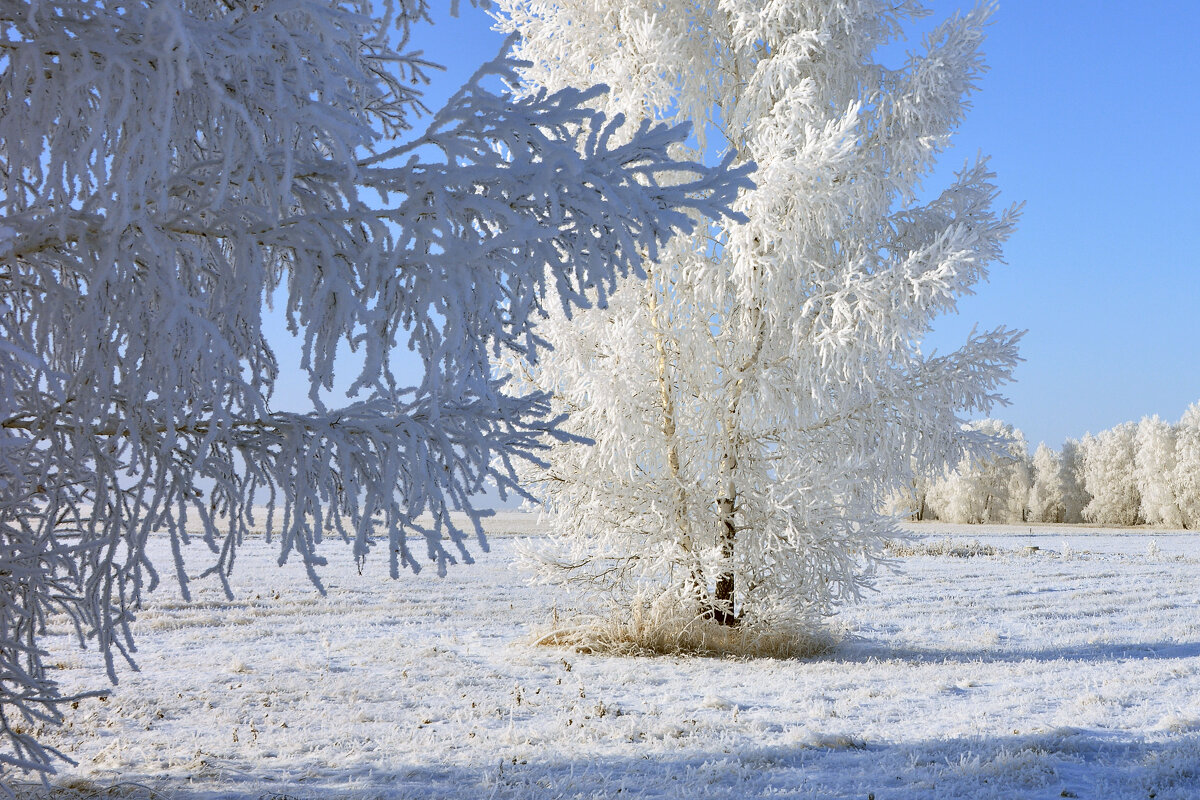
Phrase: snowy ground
x=1068 y=671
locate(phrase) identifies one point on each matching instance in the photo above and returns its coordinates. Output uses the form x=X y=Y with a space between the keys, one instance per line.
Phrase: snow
x=1058 y=672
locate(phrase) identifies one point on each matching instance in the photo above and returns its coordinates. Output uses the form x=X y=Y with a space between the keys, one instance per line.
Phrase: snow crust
x=1072 y=670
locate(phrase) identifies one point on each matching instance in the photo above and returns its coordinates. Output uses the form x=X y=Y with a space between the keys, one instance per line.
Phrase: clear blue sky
x=1089 y=112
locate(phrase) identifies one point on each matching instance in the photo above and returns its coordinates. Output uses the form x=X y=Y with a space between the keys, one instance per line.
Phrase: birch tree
x=1109 y=476
x=1046 y=496
x=1017 y=477
x=1186 y=476
x=912 y=501
x=756 y=399
x=1075 y=495
x=166 y=170
x=1154 y=472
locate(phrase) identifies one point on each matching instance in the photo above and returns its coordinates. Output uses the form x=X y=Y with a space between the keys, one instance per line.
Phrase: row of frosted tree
x=1136 y=473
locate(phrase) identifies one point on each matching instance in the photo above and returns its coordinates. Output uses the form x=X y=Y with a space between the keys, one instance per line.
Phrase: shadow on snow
x=857 y=650
x=1055 y=764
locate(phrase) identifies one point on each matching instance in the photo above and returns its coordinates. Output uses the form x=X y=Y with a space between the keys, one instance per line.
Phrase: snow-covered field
x=1072 y=670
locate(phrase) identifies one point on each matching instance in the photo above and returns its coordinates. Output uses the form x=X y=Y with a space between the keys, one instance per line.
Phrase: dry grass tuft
x=643 y=632
x=85 y=789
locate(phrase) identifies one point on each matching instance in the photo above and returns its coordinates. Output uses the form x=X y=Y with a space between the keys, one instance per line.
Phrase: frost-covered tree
x=989 y=488
x=911 y=501
x=920 y=496
x=757 y=399
x=1075 y=497
x=1154 y=472
x=1018 y=479
x=166 y=170
x=1186 y=477
x=1109 y=477
x=1048 y=490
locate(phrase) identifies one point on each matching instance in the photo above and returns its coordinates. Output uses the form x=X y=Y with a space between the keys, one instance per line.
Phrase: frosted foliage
x=761 y=395
x=994 y=487
x=167 y=169
x=1154 y=472
x=1186 y=482
x=1108 y=476
x=1075 y=496
x=1046 y=495
x=911 y=501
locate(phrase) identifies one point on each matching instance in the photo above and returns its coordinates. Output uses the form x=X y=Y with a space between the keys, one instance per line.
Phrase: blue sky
x=1089 y=112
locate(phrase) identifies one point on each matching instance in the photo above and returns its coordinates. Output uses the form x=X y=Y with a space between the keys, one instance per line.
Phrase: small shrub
x=899 y=548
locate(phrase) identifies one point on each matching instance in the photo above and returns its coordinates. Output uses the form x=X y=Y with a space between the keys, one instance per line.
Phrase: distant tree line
x=1136 y=473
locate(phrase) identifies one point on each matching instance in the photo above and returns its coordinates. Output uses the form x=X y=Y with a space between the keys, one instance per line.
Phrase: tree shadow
x=858 y=650
x=1060 y=763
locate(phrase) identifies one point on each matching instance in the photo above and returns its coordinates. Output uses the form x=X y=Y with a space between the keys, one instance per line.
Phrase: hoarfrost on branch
x=167 y=170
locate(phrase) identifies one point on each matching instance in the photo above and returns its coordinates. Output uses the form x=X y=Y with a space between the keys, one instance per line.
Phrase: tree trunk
x=695 y=585
x=721 y=609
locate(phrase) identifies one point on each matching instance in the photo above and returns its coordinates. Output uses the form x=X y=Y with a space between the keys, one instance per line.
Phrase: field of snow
x=990 y=671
